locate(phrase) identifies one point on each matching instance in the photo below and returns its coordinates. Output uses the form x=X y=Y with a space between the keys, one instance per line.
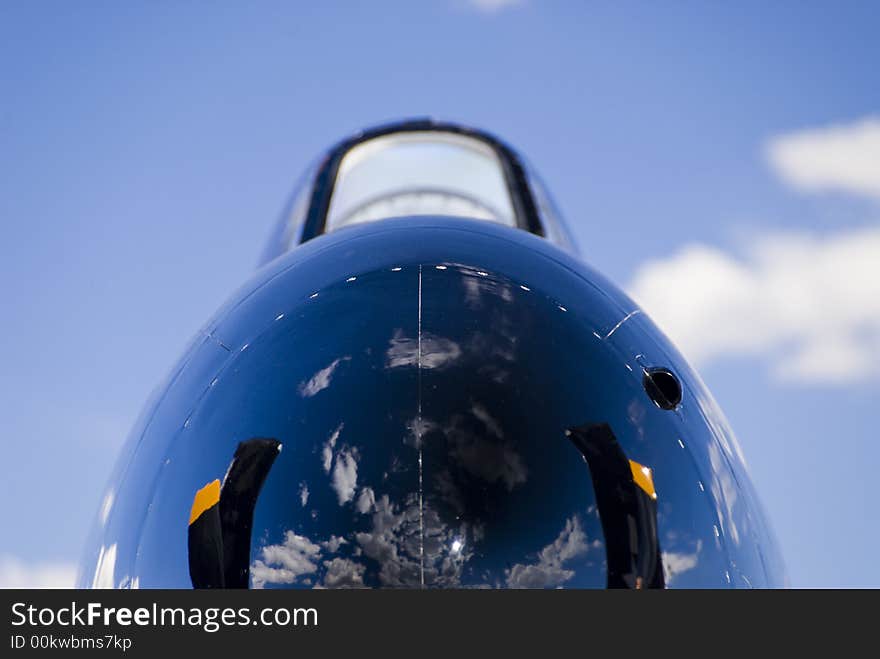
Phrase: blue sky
x=729 y=152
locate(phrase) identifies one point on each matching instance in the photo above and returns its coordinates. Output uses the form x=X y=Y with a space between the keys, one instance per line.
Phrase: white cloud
x=809 y=303
x=842 y=157
x=493 y=6
x=14 y=573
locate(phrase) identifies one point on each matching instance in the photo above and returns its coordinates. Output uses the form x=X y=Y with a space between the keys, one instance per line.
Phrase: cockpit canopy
x=417 y=168
x=420 y=173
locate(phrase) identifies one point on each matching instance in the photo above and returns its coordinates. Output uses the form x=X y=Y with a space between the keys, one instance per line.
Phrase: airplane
x=424 y=386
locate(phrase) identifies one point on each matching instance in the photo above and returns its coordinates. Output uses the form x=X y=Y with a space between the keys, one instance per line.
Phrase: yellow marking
x=204 y=499
x=643 y=478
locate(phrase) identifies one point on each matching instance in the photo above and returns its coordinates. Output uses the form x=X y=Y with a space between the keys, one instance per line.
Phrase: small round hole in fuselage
x=663 y=388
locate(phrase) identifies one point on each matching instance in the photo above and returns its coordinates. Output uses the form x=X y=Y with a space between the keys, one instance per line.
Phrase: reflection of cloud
x=344 y=465
x=724 y=492
x=16 y=574
x=491 y=424
x=105 y=567
x=843 y=157
x=393 y=542
x=334 y=543
x=413 y=549
x=418 y=427
x=366 y=500
x=343 y=573
x=446 y=550
x=436 y=351
x=720 y=425
x=549 y=572
x=491 y=350
x=477 y=282
x=448 y=491
x=676 y=563
x=492 y=460
x=297 y=559
x=284 y=563
x=809 y=303
x=327 y=451
x=106 y=507
x=320 y=380
x=344 y=478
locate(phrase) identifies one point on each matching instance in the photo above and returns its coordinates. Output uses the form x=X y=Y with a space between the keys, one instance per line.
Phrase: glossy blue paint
x=420 y=374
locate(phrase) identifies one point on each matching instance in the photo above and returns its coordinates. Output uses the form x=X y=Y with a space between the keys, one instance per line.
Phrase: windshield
x=420 y=173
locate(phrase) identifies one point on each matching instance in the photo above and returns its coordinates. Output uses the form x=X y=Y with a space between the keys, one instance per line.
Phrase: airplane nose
x=468 y=411
x=434 y=439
